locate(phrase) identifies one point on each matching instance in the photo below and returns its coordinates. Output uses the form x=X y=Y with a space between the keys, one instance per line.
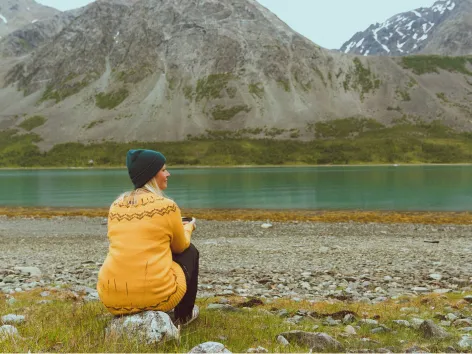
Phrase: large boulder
x=316 y=341
x=151 y=326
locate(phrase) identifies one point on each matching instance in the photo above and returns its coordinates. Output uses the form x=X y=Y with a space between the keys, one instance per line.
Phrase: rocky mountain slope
x=15 y=14
x=163 y=70
x=444 y=28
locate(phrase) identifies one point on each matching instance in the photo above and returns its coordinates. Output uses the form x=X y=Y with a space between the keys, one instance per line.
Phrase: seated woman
x=151 y=264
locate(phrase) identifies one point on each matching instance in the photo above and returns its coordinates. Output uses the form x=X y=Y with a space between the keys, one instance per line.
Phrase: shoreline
x=266 y=215
x=236 y=166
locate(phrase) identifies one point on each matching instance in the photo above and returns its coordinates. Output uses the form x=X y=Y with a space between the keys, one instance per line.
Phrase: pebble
x=13 y=319
x=246 y=260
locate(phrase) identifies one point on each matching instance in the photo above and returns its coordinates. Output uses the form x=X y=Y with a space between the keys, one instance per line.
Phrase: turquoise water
x=435 y=188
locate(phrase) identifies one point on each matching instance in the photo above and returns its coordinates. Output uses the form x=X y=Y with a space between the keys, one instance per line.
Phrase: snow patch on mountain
x=3 y=18
x=401 y=34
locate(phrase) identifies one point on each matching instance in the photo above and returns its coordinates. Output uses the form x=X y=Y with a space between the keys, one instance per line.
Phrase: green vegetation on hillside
x=222 y=113
x=112 y=99
x=361 y=79
x=211 y=86
x=33 y=122
x=422 y=64
x=343 y=141
x=256 y=89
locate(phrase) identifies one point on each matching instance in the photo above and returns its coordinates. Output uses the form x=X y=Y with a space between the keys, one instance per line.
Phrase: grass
x=32 y=122
x=112 y=99
x=424 y=64
x=45 y=331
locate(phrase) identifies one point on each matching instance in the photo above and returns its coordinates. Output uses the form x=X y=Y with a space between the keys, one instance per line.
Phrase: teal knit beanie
x=143 y=165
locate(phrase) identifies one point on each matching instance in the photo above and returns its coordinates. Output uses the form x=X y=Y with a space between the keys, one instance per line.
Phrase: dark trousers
x=188 y=260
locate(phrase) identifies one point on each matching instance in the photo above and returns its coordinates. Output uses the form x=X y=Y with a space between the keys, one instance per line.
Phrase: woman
x=151 y=264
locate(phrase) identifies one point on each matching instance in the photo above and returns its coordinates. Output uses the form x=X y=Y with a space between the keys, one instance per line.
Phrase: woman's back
x=138 y=273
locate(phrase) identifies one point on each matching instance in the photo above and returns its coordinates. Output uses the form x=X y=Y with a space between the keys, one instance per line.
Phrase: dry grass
x=436 y=218
x=67 y=324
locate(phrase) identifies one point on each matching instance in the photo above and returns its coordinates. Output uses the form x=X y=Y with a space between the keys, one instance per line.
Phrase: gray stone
x=350 y=330
x=7 y=331
x=45 y=293
x=210 y=347
x=463 y=322
x=221 y=307
x=381 y=329
x=316 y=341
x=151 y=326
x=32 y=271
x=402 y=323
x=465 y=342
x=13 y=319
x=466 y=329
x=430 y=330
x=416 y=322
x=282 y=341
x=435 y=276
x=257 y=350
x=368 y=321
x=11 y=301
x=421 y=290
x=468 y=298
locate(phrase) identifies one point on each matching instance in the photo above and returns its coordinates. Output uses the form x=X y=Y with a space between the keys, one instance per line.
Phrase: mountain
x=15 y=14
x=164 y=70
x=443 y=28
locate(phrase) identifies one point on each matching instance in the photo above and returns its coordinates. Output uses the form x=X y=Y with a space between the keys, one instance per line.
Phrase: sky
x=328 y=23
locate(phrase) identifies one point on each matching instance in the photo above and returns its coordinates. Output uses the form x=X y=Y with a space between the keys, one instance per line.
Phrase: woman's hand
x=193 y=223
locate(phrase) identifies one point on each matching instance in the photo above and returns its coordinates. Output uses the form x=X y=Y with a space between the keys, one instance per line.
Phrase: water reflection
x=368 y=188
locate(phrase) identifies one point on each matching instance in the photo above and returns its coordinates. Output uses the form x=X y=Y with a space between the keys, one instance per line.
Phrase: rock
x=410 y=309
x=257 y=350
x=451 y=317
x=465 y=342
x=283 y=313
x=32 y=271
x=45 y=293
x=316 y=341
x=282 y=341
x=9 y=319
x=8 y=331
x=435 y=276
x=430 y=330
x=324 y=249
x=11 y=301
x=350 y=330
x=415 y=349
x=420 y=289
x=210 y=347
x=416 y=322
x=151 y=326
x=442 y=291
x=90 y=297
x=402 y=323
x=266 y=225
x=381 y=329
x=368 y=321
x=468 y=298
x=349 y=318
x=221 y=307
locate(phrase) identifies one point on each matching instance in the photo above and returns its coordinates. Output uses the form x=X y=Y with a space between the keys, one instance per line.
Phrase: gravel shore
x=363 y=262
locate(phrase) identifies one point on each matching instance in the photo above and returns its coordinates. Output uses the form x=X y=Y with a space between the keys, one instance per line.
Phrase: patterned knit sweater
x=138 y=273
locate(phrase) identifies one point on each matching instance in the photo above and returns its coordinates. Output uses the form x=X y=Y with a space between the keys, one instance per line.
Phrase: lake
x=403 y=188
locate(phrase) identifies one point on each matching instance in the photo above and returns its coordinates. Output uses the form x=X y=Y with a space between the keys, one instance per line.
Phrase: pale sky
x=328 y=23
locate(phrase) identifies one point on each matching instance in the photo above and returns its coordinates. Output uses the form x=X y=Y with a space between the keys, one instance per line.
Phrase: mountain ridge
x=425 y=30
x=168 y=70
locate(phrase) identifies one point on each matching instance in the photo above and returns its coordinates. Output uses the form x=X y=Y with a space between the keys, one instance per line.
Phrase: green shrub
x=211 y=86
x=423 y=64
x=33 y=122
x=256 y=89
x=112 y=99
x=221 y=113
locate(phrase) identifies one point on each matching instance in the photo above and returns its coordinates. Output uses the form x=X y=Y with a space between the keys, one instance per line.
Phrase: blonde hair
x=150 y=186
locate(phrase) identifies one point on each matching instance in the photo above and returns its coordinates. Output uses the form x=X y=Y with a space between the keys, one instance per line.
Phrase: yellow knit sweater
x=138 y=273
